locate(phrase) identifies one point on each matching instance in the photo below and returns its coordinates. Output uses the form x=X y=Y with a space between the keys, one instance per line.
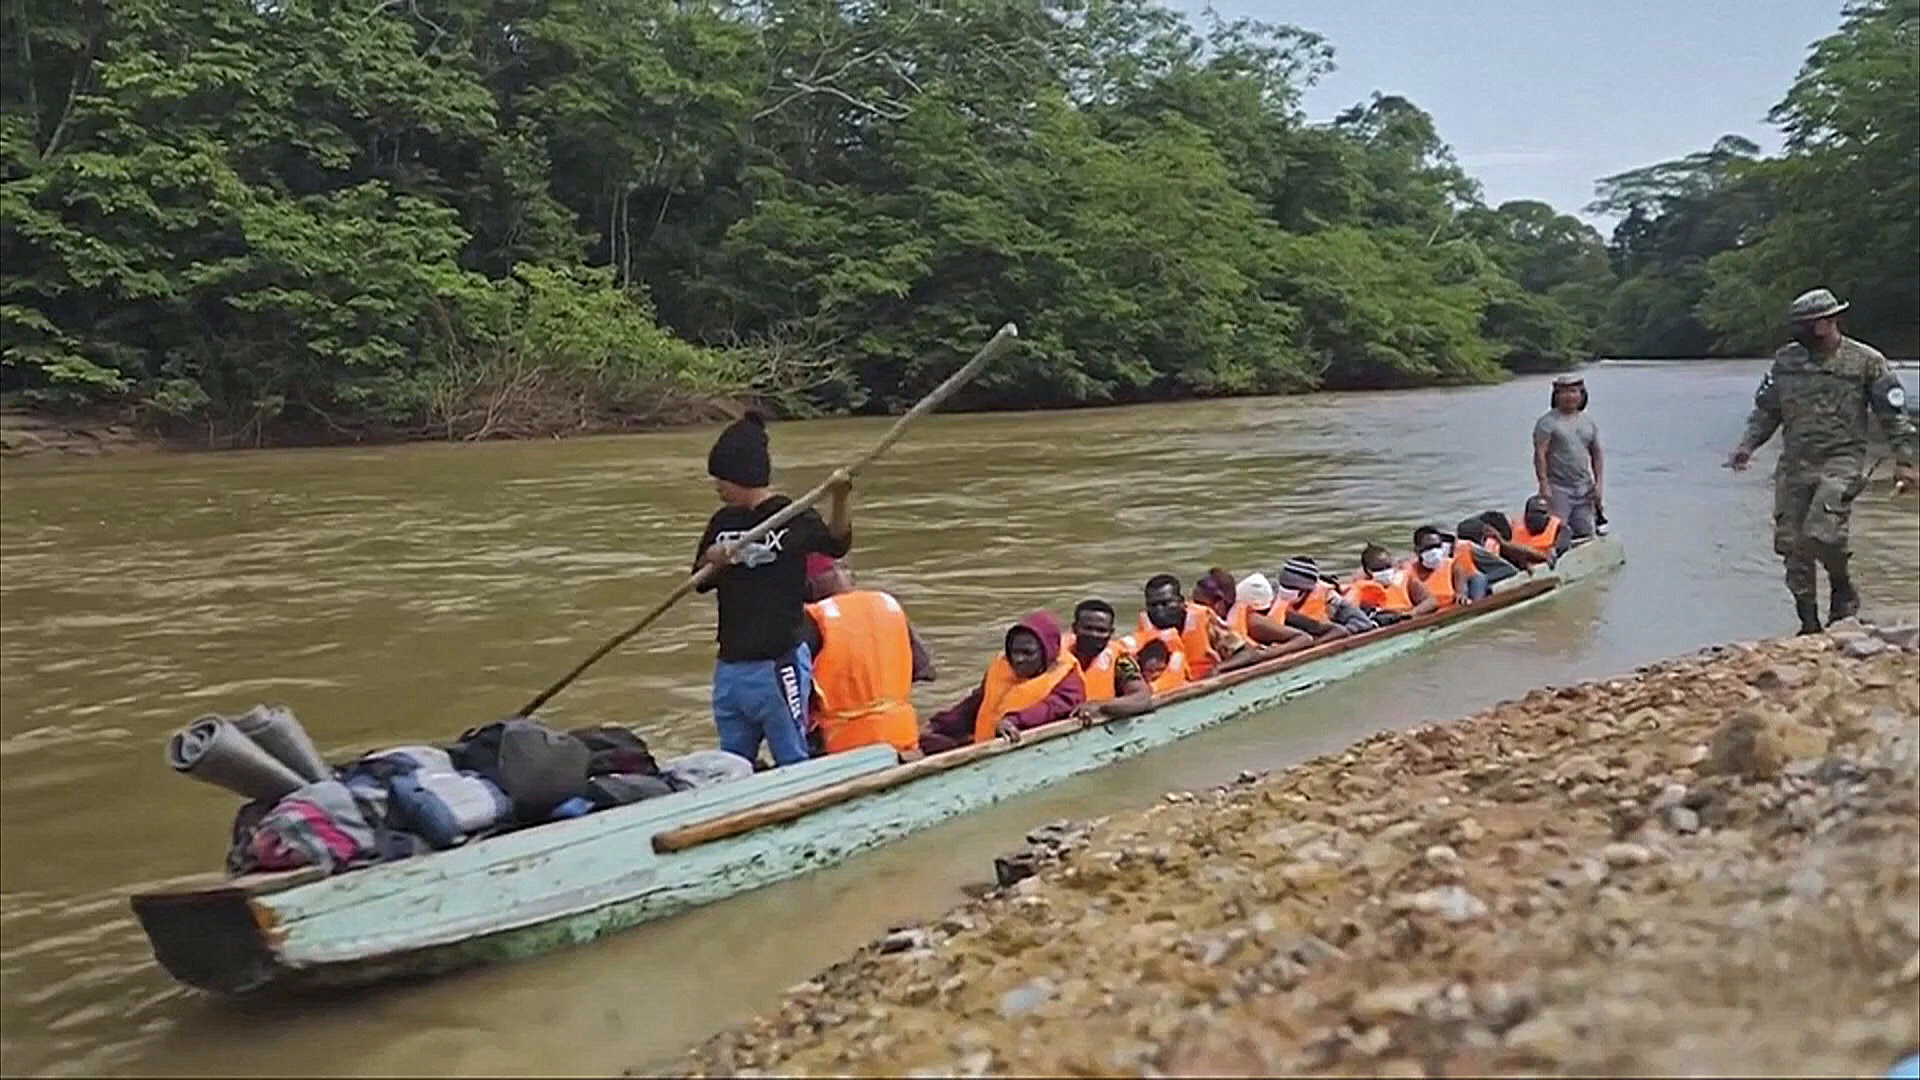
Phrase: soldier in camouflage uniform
x=1821 y=391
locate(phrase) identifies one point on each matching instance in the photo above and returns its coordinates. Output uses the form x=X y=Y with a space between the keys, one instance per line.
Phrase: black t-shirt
x=762 y=592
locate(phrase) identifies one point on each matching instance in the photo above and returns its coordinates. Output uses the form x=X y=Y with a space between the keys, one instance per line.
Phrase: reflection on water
x=407 y=593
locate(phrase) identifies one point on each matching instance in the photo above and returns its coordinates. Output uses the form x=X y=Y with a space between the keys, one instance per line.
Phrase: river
x=402 y=594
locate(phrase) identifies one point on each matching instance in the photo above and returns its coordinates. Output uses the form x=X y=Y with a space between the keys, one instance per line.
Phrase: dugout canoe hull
x=540 y=889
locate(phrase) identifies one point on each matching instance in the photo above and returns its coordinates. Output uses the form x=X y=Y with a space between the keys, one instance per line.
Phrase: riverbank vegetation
x=277 y=220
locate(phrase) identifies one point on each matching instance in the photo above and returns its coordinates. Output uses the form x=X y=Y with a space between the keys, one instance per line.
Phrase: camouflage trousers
x=1811 y=512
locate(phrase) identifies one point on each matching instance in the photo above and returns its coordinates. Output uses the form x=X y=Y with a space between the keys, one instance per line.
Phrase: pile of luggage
x=408 y=800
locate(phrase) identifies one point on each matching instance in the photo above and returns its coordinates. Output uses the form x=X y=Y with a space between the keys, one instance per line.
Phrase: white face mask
x=1286 y=596
x=1433 y=557
x=1384 y=577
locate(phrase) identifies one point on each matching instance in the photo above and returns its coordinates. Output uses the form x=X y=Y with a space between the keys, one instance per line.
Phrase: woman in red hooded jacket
x=1030 y=682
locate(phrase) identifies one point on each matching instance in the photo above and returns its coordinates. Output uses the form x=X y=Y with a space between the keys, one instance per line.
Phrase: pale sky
x=1539 y=99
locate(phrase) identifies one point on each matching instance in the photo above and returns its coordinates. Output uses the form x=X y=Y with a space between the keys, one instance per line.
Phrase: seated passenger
x=1540 y=531
x=1256 y=625
x=1163 y=668
x=1387 y=593
x=1190 y=629
x=1029 y=683
x=1108 y=670
x=866 y=657
x=1313 y=605
x=1217 y=592
x=1499 y=539
x=1481 y=548
x=1435 y=568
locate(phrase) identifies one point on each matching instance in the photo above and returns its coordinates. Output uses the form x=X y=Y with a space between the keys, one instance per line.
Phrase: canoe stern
x=219 y=940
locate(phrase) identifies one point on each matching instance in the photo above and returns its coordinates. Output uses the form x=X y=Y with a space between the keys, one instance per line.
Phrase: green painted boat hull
x=546 y=888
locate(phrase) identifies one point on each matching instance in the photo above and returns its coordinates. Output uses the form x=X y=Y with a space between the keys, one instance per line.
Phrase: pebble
x=1024 y=999
x=1543 y=1036
x=1387 y=1002
x=904 y=941
x=1863 y=648
x=1901 y=636
x=1681 y=820
x=1622 y=855
x=1807 y=883
x=1442 y=858
x=1451 y=902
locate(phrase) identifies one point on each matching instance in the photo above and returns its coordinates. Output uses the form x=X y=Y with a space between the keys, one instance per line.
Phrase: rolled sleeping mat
x=279 y=734
x=214 y=751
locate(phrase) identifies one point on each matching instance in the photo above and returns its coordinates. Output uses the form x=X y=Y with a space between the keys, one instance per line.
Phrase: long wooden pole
x=740 y=821
x=999 y=345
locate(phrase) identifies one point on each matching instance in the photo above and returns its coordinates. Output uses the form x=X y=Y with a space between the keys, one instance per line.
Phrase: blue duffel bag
x=446 y=808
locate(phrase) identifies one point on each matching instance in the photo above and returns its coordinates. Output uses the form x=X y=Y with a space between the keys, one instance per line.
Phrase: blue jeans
x=764 y=699
x=1476 y=586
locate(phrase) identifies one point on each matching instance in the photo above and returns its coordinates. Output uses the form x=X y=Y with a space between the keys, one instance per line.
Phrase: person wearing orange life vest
x=1031 y=682
x=1194 y=629
x=1496 y=554
x=1434 y=566
x=1387 y=593
x=1251 y=615
x=1108 y=670
x=1309 y=603
x=866 y=656
x=1540 y=531
x=1163 y=668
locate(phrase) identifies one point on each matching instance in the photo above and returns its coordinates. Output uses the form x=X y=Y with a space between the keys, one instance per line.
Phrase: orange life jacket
x=1099 y=674
x=1439 y=580
x=1003 y=692
x=1368 y=593
x=863 y=672
x=1463 y=553
x=1237 y=618
x=1541 y=541
x=1175 y=675
x=1191 y=639
x=1313 y=603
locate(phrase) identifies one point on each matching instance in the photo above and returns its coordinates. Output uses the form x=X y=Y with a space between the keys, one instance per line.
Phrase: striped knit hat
x=1299 y=573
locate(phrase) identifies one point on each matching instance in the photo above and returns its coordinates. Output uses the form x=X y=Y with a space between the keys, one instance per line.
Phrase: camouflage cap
x=1815 y=304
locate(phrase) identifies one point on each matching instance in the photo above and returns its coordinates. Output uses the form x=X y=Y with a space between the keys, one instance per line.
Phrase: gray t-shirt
x=1570 y=440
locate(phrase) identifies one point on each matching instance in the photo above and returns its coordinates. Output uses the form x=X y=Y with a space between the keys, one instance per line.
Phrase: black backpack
x=539 y=768
x=615 y=749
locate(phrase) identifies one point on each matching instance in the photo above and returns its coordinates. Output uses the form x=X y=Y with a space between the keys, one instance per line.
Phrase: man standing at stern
x=1819 y=394
x=1566 y=457
x=764 y=674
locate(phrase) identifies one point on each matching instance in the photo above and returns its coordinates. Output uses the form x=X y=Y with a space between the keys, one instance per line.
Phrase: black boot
x=1809 y=609
x=1843 y=602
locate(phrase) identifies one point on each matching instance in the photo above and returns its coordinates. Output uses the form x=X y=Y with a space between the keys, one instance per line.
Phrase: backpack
x=615 y=749
x=538 y=768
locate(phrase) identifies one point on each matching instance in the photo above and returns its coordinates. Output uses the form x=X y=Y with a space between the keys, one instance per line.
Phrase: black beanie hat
x=740 y=453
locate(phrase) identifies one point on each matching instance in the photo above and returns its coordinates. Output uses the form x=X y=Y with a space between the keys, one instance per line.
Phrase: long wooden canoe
x=568 y=882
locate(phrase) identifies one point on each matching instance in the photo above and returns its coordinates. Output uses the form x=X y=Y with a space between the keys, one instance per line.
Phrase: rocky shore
x=1712 y=866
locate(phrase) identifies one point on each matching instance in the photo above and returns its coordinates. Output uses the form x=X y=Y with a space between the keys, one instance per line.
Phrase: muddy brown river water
x=402 y=594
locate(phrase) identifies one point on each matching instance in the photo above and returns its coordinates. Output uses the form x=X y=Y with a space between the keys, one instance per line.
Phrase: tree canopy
x=1711 y=248
x=271 y=219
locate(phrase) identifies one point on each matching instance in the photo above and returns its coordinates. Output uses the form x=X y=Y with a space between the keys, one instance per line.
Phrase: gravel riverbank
x=1710 y=866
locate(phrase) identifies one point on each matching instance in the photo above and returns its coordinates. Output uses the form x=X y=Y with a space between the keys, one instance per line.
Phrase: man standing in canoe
x=763 y=677
x=1820 y=394
x=1566 y=457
